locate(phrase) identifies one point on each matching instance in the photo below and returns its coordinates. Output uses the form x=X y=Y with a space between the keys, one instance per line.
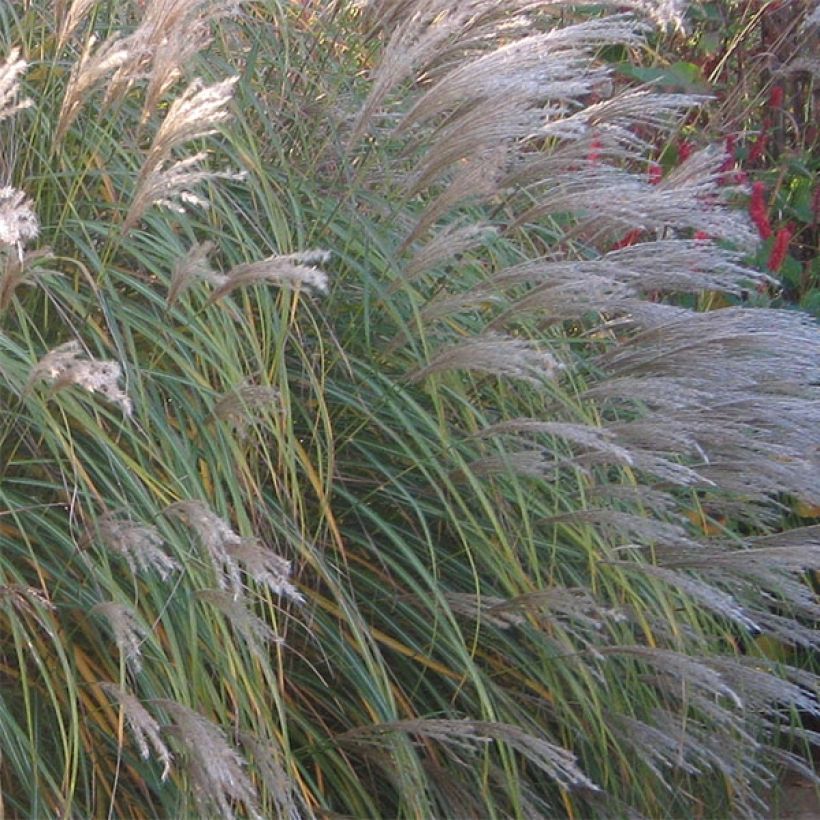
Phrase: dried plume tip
x=194 y=265
x=86 y=73
x=129 y=632
x=216 y=537
x=144 y=728
x=215 y=767
x=295 y=270
x=256 y=633
x=495 y=354
x=10 y=71
x=18 y=222
x=66 y=365
x=195 y=114
x=230 y=552
x=246 y=404
x=139 y=544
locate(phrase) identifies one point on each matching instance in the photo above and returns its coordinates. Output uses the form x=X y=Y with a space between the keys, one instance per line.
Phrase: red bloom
x=779 y=249
x=701 y=236
x=759 y=212
x=728 y=158
x=629 y=238
x=758 y=148
x=655 y=173
x=776 y=96
x=594 y=153
x=685 y=149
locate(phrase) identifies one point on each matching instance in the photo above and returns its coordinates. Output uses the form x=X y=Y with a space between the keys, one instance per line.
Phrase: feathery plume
x=139 y=544
x=215 y=767
x=85 y=74
x=495 y=354
x=270 y=761
x=144 y=728
x=18 y=222
x=22 y=269
x=447 y=244
x=246 y=404
x=194 y=114
x=293 y=270
x=173 y=186
x=67 y=364
x=256 y=633
x=266 y=568
x=216 y=537
x=128 y=631
x=194 y=265
x=10 y=70
x=558 y=763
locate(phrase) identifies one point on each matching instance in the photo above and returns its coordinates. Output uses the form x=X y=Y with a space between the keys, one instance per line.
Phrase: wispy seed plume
x=295 y=270
x=10 y=70
x=494 y=354
x=128 y=631
x=215 y=767
x=139 y=544
x=67 y=365
x=18 y=222
x=143 y=726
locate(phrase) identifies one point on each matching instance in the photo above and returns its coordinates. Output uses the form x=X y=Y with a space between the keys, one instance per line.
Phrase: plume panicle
x=294 y=270
x=144 y=728
x=557 y=763
x=18 y=221
x=128 y=630
x=68 y=365
x=216 y=769
x=140 y=544
x=494 y=354
x=11 y=69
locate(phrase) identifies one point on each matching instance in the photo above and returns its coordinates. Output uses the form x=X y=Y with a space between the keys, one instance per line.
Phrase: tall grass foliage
x=352 y=464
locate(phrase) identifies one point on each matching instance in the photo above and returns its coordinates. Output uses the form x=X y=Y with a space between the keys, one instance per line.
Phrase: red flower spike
x=758 y=148
x=759 y=212
x=594 y=154
x=702 y=236
x=655 y=173
x=776 y=97
x=685 y=150
x=779 y=249
x=629 y=238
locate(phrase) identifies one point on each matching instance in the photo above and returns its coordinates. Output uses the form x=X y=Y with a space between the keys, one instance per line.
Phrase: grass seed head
x=10 y=70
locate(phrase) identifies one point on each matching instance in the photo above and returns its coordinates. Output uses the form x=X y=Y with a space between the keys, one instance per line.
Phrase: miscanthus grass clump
x=360 y=456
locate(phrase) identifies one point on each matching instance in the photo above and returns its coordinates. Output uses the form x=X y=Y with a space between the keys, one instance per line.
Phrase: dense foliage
x=360 y=455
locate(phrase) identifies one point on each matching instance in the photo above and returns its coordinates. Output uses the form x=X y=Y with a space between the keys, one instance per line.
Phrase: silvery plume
x=67 y=364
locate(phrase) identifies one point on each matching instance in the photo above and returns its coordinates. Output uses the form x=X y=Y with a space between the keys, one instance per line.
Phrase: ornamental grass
x=466 y=514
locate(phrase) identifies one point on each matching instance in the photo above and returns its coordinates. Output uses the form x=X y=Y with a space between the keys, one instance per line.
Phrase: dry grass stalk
x=295 y=270
x=215 y=767
x=67 y=365
x=139 y=544
x=128 y=631
x=495 y=354
x=144 y=728
x=10 y=70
